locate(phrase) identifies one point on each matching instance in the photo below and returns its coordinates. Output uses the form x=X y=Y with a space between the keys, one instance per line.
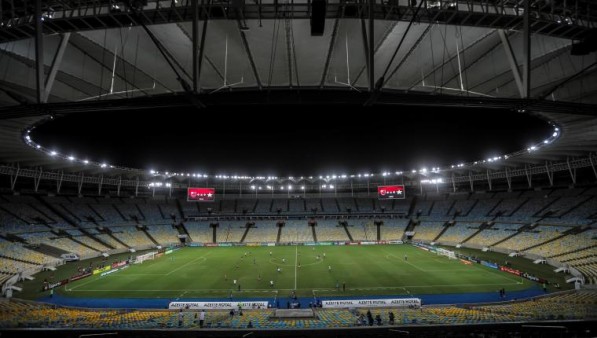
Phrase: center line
x=295 y=264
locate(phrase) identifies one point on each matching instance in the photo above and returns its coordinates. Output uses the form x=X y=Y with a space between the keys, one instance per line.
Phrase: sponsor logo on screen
x=201 y=194
x=385 y=192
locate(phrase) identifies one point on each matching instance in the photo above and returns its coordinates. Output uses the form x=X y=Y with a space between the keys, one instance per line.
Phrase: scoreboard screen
x=386 y=192
x=201 y=194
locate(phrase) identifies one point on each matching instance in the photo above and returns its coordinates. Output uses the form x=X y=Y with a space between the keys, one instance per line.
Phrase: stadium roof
x=104 y=55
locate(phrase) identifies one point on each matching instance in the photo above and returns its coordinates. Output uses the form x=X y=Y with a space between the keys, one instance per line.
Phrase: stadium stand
x=572 y=305
x=200 y=231
x=264 y=231
x=459 y=232
x=393 y=229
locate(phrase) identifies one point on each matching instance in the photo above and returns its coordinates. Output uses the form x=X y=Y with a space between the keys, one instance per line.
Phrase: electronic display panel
x=201 y=194
x=386 y=192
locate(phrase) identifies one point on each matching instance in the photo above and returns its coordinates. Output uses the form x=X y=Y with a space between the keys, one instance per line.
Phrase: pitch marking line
x=498 y=273
x=273 y=262
x=405 y=261
x=295 y=264
x=475 y=266
x=194 y=260
x=365 y=288
x=191 y=290
x=140 y=274
x=149 y=274
x=76 y=286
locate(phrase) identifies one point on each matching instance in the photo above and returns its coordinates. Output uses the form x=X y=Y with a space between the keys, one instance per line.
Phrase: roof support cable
x=272 y=58
x=348 y=83
x=463 y=63
x=99 y=95
x=445 y=52
x=287 y=28
x=433 y=58
x=296 y=72
x=123 y=42
x=186 y=87
x=227 y=85
x=565 y=81
x=379 y=84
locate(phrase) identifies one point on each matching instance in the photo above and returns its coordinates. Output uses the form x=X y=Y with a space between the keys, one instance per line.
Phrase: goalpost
x=447 y=253
x=142 y=258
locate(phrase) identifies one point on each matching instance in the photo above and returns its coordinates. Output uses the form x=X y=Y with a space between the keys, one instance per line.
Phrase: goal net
x=447 y=253
x=142 y=258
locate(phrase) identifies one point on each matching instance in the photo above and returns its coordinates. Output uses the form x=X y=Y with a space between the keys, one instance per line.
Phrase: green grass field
x=366 y=270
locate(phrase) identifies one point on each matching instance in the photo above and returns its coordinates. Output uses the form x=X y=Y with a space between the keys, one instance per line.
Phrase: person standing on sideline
x=180 y=318
x=201 y=318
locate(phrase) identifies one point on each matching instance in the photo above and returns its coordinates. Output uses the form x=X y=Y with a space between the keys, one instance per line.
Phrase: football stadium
x=320 y=168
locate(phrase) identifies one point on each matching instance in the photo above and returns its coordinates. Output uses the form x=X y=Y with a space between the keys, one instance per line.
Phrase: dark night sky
x=292 y=140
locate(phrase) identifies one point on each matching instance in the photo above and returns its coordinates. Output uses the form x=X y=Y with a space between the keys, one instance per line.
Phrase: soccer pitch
x=310 y=270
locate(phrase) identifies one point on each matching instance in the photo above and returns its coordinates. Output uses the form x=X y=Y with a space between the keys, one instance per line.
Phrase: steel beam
x=328 y=58
x=371 y=49
x=247 y=49
x=526 y=48
x=513 y=64
x=195 y=34
x=39 y=52
x=55 y=66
